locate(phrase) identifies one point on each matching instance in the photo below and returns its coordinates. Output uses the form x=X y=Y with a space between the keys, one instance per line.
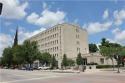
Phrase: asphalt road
x=22 y=76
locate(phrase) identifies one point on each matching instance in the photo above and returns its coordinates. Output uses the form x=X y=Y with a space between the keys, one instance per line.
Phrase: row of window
x=77 y=36
x=56 y=55
x=49 y=31
x=49 y=43
x=77 y=30
x=53 y=49
x=48 y=37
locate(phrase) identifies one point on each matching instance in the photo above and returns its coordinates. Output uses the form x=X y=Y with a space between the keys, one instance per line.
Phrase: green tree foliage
x=54 y=63
x=71 y=62
x=93 y=48
x=108 y=49
x=79 y=59
x=45 y=58
x=104 y=42
x=18 y=55
x=64 y=61
x=122 y=52
x=7 y=56
x=31 y=51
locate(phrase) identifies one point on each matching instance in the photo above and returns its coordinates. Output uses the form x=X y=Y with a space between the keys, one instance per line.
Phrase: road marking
x=30 y=79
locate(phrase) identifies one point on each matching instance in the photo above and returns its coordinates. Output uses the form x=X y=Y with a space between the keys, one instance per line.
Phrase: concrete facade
x=63 y=39
x=98 y=58
x=67 y=39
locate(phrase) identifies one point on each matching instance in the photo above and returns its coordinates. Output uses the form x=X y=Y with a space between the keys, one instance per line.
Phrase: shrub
x=104 y=66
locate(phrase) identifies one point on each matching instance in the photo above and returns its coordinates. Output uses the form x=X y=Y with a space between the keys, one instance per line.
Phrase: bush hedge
x=104 y=66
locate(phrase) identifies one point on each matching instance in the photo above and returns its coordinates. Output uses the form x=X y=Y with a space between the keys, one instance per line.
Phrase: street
x=22 y=76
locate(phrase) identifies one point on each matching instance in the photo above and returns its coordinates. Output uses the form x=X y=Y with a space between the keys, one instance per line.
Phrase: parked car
x=22 y=68
x=5 y=67
x=43 y=68
x=29 y=68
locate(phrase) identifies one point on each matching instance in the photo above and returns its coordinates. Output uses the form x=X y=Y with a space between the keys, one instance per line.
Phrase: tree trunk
x=113 y=64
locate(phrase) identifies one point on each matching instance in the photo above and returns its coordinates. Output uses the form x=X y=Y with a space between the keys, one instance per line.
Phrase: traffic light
x=1 y=5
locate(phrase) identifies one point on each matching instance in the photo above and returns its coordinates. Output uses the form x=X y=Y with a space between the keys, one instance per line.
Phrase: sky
x=102 y=19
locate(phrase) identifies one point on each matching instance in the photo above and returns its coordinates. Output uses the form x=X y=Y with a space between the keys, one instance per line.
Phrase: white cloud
x=47 y=18
x=119 y=35
x=5 y=41
x=119 y=16
x=97 y=27
x=116 y=30
x=106 y=14
x=33 y=18
x=13 y=9
x=23 y=34
x=44 y=5
x=112 y=40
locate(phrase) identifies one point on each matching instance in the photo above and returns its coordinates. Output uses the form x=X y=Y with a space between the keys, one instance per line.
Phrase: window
x=51 y=49
x=78 y=49
x=77 y=42
x=55 y=48
x=55 y=35
x=55 y=41
x=102 y=60
x=77 y=36
x=77 y=30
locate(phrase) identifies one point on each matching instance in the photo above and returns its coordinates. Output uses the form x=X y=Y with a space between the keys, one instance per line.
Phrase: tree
x=7 y=56
x=30 y=51
x=79 y=59
x=108 y=49
x=64 y=61
x=54 y=63
x=18 y=55
x=108 y=52
x=71 y=62
x=45 y=58
x=92 y=48
x=120 y=57
x=104 y=42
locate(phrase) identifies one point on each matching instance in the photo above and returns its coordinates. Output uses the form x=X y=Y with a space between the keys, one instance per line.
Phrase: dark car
x=29 y=68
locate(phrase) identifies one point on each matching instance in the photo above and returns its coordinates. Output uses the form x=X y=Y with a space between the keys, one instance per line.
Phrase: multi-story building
x=67 y=39
x=63 y=39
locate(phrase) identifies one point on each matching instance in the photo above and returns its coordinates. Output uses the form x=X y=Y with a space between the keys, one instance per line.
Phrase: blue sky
x=99 y=18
